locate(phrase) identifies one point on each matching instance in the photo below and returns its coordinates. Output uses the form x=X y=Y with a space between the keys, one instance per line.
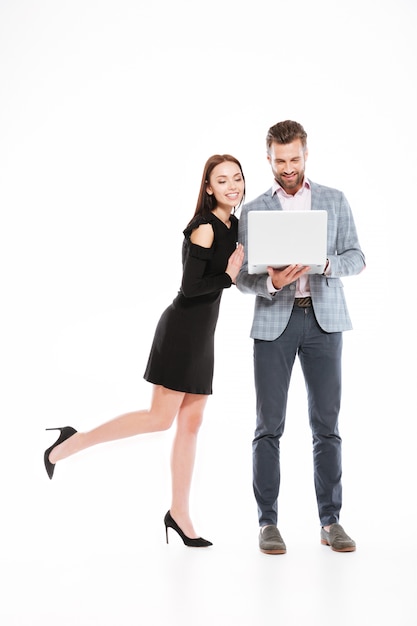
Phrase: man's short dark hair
x=286 y=132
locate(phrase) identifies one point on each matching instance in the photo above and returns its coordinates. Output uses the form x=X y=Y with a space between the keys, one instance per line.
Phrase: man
x=300 y=314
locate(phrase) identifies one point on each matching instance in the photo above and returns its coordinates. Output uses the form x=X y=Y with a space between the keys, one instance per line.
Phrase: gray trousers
x=320 y=358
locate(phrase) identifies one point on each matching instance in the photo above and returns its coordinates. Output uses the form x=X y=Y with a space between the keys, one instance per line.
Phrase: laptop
x=281 y=238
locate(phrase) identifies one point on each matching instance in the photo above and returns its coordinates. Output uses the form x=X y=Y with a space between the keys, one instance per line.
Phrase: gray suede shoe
x=270 y=541
x=337 y=539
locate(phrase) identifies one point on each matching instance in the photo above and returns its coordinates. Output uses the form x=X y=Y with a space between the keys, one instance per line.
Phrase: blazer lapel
x=272 y=202
x=315 y=196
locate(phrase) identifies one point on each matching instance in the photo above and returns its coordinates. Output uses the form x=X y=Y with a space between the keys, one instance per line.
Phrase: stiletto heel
x=65 y=433
x=192 y=543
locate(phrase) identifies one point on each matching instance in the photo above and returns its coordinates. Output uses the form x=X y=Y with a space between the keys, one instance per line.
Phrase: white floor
x=231 y=583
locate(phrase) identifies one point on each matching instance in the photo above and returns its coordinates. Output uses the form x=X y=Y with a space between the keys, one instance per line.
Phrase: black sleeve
x=194 y=283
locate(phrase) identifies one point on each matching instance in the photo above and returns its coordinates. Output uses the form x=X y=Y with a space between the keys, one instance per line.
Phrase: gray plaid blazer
x=272 y=312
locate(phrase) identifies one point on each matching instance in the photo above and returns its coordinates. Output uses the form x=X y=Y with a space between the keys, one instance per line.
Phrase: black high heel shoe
x=192 y=543
x=65 y=433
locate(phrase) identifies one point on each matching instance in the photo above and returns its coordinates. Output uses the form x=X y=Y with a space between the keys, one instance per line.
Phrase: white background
x=108 y=112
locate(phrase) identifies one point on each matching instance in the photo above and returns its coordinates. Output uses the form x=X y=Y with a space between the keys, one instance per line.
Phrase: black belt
x=304 y=303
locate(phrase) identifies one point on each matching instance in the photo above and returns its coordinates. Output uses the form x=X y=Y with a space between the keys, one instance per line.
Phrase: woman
x=180 y=364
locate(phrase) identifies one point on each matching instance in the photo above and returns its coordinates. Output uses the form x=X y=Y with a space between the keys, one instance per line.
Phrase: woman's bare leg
x=164 y=407
x=190 y=417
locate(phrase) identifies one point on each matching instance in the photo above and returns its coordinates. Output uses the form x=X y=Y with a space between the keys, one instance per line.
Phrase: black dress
x=182 y=353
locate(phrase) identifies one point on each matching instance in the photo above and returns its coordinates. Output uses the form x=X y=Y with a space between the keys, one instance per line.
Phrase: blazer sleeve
x=345 y=254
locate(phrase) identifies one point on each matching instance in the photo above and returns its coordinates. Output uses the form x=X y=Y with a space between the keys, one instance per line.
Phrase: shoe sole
x=272 y=551
x=348 y=549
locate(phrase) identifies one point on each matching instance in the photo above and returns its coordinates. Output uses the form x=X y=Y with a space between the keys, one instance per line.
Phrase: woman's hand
x=235 y=262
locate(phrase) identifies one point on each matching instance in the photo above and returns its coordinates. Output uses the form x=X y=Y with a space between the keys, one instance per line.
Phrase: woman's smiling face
x=227 y=185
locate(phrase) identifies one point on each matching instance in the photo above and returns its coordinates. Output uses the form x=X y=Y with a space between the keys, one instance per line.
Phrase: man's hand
x=288 y=275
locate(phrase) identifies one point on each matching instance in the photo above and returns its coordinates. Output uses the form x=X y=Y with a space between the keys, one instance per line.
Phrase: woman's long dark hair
x=206 y=203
